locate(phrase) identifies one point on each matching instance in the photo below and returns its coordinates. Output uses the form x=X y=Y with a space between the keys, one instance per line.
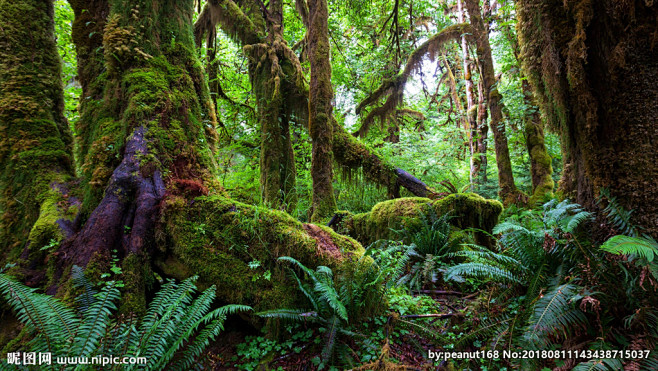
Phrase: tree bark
x=320 y=111
x=507 y=189
x=594 y=69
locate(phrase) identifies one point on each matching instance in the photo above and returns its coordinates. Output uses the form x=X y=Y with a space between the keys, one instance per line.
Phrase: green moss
x=35 y=143
x=216 y=238
x=468 y=209
x=135 y=272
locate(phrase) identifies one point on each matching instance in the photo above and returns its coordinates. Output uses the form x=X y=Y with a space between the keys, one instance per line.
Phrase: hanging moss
x=469 y=210
x=235 y=246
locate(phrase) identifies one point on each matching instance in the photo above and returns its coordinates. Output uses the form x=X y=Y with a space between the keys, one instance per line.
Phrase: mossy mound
x=469 y=210
x=235 y=246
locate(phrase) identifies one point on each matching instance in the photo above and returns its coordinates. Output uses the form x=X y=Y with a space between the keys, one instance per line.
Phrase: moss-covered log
x=468 y=210
x=35 y=141
x=235 y=246
x=600 y=93
x=320 y=110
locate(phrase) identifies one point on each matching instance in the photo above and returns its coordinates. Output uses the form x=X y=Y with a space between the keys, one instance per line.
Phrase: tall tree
x=320 y=110
x=507 y=189
x=471 y=107
x=594 y=68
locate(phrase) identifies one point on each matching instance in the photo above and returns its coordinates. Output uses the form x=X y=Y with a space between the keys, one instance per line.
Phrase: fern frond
x=480 y=270
x=624 y=245
x=328 y=294
x=553 y=313
x=79 y=280
x=572 y=223
x=490 y=328
x=507 y=227
x=195 y=349
x=599 y=365
x=41 y=314
x=298 y=264
x=299 y=315
x=95 y=321
x=195 y=314
x=330 y=339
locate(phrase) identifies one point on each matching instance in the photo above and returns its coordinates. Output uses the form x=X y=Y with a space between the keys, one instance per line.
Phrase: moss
x=469 y=210
x=135 y=271
x=216 y=238
x=35 y=143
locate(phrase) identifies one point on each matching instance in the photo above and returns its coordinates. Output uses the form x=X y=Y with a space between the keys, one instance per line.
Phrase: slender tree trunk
x=268 y=69
x=541 y=168
x=479 y=159
x=320 y=111
x=600 y=93
x=471 y=108
x=35 y=141
x=507 y=189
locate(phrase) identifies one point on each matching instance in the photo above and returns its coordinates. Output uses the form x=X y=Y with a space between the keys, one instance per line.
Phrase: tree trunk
x=471 y=108
x=35 y=141
x=507 y=189
x=541 y=168
x=479 y=159
x=320 y=111
x=594 y=68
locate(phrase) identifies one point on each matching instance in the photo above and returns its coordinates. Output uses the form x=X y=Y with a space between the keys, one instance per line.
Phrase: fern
x=51 y=322
x=553 y=314
x=644 y=248
x=165 y=331
x=600 y=365
x=617 y=215
x=479 y=270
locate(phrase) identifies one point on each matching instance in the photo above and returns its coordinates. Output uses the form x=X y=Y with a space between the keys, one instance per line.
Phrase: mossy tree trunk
x=147 y=128
x=35 y=141
x=471 y=108
x=594 y=69
x=541 y=168
x=479 y=159
x=320 y=110
x=272 y=71
x=507 y=189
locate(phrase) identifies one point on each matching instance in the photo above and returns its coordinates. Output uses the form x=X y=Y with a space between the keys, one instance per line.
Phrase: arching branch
x=228 y=15
x=393 y=89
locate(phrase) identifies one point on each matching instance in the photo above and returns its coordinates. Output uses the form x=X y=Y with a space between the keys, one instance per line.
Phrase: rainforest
x=328 y=185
